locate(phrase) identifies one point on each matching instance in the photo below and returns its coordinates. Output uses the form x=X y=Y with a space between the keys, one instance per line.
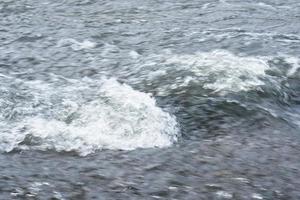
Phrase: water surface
x=149 y=99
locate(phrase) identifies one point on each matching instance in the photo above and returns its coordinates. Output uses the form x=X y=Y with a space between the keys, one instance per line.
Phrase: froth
x=88 y=116
x=76 y=45
x=219 y=71
x=233 y=73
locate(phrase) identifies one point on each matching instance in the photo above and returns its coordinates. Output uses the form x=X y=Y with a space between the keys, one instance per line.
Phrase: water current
x=152 y=99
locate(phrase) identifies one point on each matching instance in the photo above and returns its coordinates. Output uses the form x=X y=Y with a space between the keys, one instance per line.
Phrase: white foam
x=76 y=45
x=224 y=194
x=220 y=71
x=85 y=116
x=233 y=73
x=256 y=196
x=134 y=54
x=267 y=6
x=205 y=6
x=295 y=62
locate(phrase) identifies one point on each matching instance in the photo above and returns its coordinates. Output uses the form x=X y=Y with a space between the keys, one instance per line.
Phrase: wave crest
x=88 y=116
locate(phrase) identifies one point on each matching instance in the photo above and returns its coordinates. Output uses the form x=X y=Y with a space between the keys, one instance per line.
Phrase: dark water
x=77 y=120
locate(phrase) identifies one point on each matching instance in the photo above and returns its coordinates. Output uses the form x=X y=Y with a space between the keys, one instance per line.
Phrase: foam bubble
x=85 y=116
x=233 y=73
x=295 y=63
x=76 y=45
x=220 y=71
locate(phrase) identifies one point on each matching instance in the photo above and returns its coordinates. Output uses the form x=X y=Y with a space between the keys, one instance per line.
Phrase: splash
x=219 y=71
x=232 y=73
x=84 y=116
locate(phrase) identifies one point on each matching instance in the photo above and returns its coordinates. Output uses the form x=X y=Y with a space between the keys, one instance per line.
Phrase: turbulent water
x=151 y=99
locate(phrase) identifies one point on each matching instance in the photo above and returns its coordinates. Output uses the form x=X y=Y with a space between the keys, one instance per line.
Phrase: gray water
x=151 y=99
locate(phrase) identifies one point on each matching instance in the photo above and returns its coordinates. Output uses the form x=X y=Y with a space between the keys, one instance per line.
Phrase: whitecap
x=233 y=73
x=85 y=116
x=295 y=63
x=224 y=195
x=76 y=45
x=257 y=196
x=219 y=71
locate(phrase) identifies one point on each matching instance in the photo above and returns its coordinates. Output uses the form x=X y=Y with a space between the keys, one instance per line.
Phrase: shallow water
x=149 y=99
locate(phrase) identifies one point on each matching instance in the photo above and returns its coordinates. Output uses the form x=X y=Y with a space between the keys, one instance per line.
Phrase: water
x=149 y=99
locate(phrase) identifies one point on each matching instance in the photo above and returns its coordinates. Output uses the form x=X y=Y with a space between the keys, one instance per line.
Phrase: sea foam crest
x=85 y=117
x=219 y=70
x=227 y=71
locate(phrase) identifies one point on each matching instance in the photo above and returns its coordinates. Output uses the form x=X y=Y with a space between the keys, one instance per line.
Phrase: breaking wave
x=82 y=116
x=219 y=71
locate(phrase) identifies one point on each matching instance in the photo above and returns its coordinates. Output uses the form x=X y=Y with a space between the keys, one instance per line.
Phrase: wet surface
x=74 y=72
